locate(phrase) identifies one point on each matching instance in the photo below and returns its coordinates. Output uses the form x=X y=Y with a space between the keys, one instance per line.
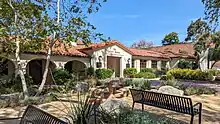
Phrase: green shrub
x=184 y=64
x=90 y=71
x=147 y=70
x=127 y=81
x=130 y=72
x=172 y=82
x=214 y=72
x=146 y=75
x=127 y=116
x=138 y=83
x=61 y=76
x=103 y=73
x=193 y=90
x=188 y=74
x=12 y=84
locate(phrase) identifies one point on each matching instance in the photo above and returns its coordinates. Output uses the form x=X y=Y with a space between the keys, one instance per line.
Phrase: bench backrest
x=166 y=101
x=33 y=115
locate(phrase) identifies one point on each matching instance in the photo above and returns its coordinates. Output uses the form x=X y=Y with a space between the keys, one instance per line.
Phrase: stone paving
x=210 y=112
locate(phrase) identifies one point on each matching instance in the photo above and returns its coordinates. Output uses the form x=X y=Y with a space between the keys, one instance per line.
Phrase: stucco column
x=137 y=64
x=148 y=64
x=159 y=65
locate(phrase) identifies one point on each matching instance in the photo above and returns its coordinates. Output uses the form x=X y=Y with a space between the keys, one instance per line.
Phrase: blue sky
x=133 y=20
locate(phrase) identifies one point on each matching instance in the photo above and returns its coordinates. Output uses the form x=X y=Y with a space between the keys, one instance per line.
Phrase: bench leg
x=192 y=117
x=200 y=117
x=142 y=107
x=133 y=106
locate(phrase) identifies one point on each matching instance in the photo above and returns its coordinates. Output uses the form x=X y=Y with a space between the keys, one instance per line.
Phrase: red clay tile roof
x=61 y=49
x=101 y=45
x=142 y=52
x=184 y=50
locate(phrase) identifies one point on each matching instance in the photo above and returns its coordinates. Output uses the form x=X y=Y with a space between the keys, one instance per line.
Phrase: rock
x=170 y=90
x=154 y=90
x=114 y=105
x=82 y=87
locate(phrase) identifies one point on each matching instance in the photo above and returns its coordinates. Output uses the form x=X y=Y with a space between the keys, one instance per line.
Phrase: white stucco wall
x=114 y=51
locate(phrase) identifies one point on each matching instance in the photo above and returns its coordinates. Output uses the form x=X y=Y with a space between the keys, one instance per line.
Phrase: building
x=110 y=54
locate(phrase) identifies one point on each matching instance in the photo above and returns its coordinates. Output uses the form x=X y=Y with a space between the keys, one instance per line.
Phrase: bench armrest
x=198 y=105
x=10 y=118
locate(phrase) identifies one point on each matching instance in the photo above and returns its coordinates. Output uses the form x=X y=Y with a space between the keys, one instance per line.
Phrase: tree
x=19 y=21
x=142 y=44
x=171 y=38
x=68 y=25
x=212 y=11
x=196 y=28
x=215 y=51
x=28 y=22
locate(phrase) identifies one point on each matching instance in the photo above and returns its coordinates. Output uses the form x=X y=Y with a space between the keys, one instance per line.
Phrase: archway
x=7 y=67
x=35 y=68
x=76 y=67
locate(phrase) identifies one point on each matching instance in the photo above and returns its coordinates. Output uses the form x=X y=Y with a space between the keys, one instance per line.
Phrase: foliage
x=188 y=74
x=90 y=71
x=127 y=116
x=130 y=72
x=18 y=101
x=196 y=28
x=142 y=44
x=193 y=90
x=212 y=10
x=159 y=73
x=147 y=70
x=127 y=81
x=103 y=73
x=12 y=84
x=140 y=83
x=213 y=72
x=171 y=38
x=146 y=75
x=172 y=82
x=183 y=64
x=61 y=76
x=215 y=51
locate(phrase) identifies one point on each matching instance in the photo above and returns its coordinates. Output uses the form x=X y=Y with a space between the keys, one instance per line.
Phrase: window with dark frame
x=143 y=63
x=153 y=64
x=163 y=65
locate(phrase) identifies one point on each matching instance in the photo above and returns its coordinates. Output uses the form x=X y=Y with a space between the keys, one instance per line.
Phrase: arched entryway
x=7 y=67
x=35 y=69
x=76 y=67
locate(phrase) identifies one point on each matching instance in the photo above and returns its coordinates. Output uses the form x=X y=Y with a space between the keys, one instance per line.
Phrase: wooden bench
x=33 y=115
x=169 y=102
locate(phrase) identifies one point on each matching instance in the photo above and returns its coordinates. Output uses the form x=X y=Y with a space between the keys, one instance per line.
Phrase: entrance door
x=114 y=64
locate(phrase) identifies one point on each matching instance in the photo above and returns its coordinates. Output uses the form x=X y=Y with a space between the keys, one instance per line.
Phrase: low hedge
x=147 y=70
x=103 y=73
x=147 y=75
x=189 y=74
x=130 y=72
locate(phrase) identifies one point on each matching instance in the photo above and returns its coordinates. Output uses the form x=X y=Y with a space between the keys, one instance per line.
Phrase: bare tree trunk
x=17 y=55
x=19 y=70
x=49 y=52
x=203 y=60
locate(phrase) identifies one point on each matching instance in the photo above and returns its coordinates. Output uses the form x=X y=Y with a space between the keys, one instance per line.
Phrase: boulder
x=82 y=87
x=170 y=90
x=114 y=105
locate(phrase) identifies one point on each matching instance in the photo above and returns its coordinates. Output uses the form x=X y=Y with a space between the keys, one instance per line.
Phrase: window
x=98 y=64
x=153 y=64
x=163 y=65
x=132 y=63
x=143 y=63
